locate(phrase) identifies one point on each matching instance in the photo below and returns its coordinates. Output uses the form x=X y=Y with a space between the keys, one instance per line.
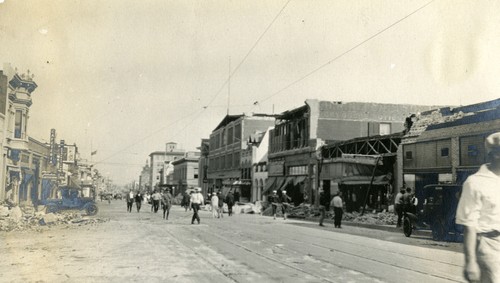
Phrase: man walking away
x=195 y=202
x=221 y=204
x=214 y=202
x=166 y=203
x=479 y=211
x=337 y=209
x=138 y=201
x=398 y=206
x=324 y=206
x=156 y=197
x=230 y=203
x=130 y=201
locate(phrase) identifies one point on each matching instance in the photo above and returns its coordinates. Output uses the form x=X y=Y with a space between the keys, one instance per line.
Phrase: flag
x=93 y=152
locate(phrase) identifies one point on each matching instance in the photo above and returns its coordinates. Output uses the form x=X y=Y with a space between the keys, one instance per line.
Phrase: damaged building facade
x=446 y=145
x=295 y=147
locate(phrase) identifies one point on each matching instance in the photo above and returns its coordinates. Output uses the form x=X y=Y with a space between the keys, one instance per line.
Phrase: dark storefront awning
x=298 y=180
x=273 y=183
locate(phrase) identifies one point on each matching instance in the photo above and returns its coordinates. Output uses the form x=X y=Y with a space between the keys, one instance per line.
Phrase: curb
x=387 y=228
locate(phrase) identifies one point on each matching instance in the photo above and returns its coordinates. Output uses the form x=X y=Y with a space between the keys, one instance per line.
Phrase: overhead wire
x=215 y=96
x=249 y=52
x=343 y=54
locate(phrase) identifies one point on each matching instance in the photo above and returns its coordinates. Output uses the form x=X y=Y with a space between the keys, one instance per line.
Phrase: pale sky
x=124 y=77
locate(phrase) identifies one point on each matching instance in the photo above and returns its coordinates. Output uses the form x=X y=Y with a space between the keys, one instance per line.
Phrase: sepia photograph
x=249 y=141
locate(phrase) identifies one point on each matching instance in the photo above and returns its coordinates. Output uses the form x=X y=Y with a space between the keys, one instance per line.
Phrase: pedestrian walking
x=285 y=199
x=195 y=202
x=185 y=200
x=338 y=209
x=138 y=201
x=221 y=204
x=479 y=211
x=130 y=201
x=398 y=206
x=274 y=200
x=166 y=203
x=324 y=205
x=214 y=202
x=230 y=203
x=156 y=197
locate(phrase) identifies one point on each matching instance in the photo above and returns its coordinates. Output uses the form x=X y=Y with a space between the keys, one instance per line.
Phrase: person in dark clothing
x=138 y=201
x=221 y=204
x=230 y=203
x=407 y=206
x=166 y=203
x=324 y=206
x=273 y=199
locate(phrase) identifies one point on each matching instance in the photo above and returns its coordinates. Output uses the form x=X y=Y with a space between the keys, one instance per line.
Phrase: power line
x=248 y=53
x=145 y=138
x=344 y=53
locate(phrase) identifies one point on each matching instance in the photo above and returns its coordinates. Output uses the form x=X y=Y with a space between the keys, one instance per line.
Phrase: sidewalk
x=388 y=228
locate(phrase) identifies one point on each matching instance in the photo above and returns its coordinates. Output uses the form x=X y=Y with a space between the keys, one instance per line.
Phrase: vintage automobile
x=439 y=207
x=73 y=198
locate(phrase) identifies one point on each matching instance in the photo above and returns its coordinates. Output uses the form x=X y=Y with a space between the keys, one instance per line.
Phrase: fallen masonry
x=15 y=218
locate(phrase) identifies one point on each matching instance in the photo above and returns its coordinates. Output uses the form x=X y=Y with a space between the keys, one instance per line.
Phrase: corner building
x=227 y=142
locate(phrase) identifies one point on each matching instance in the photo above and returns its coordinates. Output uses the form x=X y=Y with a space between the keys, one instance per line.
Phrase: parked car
x=73 y=198
x=440 y=206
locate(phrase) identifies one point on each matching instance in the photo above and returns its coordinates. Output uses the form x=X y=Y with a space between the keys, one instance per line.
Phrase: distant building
x=227 y=142
x=186 y=173
x=203 y=166
x=145 y=177
x=258 y=143
x=161 y=167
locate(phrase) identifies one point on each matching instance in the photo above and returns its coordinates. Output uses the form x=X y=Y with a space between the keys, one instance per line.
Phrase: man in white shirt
x=479 y=211
x=214 y=202
x=337 y=209
x=195 y=202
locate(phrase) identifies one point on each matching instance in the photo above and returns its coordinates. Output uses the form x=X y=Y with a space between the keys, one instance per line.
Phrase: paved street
x=142 y=247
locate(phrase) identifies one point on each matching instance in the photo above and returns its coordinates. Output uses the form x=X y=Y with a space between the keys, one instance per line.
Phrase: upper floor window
x=384 y=129
x=409 y=155
x=18 y=124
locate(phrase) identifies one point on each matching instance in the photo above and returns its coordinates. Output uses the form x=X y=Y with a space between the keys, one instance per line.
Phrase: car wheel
x=92 y=209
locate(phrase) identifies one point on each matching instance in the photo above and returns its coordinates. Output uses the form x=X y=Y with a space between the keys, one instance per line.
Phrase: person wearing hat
x=479 y=211
x=273 y=199
x=195 y=202
x=285 y=199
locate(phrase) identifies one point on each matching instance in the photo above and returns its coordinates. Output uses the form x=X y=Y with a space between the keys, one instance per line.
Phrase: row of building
x=31 y=170
x=366 y=150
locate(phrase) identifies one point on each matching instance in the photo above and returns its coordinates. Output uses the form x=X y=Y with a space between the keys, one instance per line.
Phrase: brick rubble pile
x=15 y=218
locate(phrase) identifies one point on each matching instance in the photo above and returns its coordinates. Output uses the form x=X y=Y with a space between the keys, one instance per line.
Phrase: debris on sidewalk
x=16 y=218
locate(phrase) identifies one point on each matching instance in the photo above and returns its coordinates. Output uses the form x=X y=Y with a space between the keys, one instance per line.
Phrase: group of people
x=217 y=201
x=164 y=198
x=279 y=199
x=404 y=202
